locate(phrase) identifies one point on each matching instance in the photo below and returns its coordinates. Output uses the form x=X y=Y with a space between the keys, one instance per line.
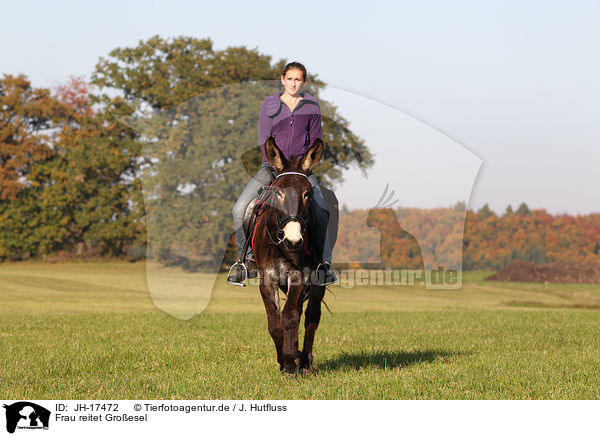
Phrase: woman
x=293 y=118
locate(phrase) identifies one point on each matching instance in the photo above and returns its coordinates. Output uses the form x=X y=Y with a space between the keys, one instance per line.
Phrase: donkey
x=281 y=249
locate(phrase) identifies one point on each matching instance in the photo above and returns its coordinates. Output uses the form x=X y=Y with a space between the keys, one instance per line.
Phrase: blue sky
x=515 y=82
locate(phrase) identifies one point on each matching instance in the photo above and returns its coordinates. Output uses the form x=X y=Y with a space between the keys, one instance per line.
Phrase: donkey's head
x=292 y=191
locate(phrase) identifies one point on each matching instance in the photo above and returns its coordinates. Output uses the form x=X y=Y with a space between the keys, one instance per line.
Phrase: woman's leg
x=250 y=192
x=322 y=216
x=325 y=273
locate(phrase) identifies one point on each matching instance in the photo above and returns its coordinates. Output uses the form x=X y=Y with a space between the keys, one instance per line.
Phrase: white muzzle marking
x=291 y=232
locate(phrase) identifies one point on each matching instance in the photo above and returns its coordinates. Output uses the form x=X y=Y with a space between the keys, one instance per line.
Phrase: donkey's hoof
x=304 y=371
x=291 y=373
x=289 y=368
x=306 y=360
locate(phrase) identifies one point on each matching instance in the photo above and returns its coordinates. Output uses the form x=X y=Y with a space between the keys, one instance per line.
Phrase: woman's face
x=293 y=82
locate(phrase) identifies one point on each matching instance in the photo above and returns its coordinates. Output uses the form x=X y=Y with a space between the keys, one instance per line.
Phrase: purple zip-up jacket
x=294 y=132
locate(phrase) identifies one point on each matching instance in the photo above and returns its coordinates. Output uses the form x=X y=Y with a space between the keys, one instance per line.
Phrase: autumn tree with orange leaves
x=27 y=116
x=67 y=174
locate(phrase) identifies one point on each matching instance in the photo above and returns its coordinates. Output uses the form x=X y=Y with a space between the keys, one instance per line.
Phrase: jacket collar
x=274 y=103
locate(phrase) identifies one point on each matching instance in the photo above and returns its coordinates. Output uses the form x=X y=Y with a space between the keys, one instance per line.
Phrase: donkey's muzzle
x=292 y=231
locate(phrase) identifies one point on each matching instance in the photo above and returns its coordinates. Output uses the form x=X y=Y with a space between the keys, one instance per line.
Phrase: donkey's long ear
x=274 y=155
x=312 y=156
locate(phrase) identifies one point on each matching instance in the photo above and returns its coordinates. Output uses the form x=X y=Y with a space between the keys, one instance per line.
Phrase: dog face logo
x=26 y=415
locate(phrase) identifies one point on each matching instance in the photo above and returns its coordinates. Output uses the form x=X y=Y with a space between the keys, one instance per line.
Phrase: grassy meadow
x=91 y=331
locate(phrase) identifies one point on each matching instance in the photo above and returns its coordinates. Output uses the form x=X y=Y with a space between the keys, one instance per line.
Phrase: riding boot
x=251 y=264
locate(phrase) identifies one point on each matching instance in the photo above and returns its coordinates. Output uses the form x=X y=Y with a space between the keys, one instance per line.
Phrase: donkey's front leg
x=269 y=292
x=290 y=321
x=312 y=318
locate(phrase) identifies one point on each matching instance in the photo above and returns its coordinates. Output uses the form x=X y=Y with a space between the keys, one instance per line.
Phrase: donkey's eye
x=279 y=194
x=306 y=195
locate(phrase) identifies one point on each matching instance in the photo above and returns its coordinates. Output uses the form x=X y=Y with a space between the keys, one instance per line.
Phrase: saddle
x=248 y=215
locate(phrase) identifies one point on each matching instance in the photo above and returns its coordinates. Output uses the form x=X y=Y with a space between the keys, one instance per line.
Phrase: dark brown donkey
x=280 y=249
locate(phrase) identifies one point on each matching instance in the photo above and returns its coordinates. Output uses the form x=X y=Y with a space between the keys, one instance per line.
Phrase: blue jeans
x=264 y=177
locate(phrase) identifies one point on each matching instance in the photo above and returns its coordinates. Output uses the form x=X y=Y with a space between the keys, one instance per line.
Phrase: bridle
x=265 y=199
x=279 y=234
x=291 y=172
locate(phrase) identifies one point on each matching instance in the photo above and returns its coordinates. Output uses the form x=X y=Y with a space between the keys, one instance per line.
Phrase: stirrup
x=242 y=282
x=328 y=268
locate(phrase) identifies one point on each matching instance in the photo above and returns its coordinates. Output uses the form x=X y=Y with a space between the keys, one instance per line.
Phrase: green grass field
x=91 y=331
